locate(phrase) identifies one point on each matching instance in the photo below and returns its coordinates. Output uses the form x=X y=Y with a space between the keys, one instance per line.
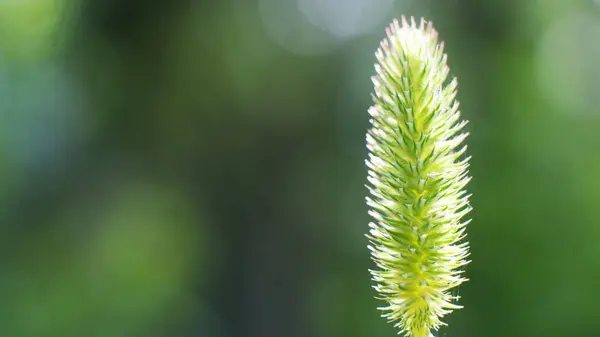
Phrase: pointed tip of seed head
x=374 y=78
x=431 y=30
x=410 y=23
x=404 y=21
x=384 y=45
x=429 y=25
x=389 y=32
x=379 y=53
x=395 y=24
x=422 y=24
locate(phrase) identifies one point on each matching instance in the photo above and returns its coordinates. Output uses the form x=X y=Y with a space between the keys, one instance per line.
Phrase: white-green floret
x=417 y=176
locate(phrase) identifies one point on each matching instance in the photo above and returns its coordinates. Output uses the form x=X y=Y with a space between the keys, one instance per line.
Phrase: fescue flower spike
x=417 y=178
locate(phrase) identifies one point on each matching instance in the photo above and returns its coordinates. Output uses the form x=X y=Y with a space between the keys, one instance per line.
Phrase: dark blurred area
x=196 y=168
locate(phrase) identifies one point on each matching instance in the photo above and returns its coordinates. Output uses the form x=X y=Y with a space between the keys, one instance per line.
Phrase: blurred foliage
x=196 y=168
x=115 y=267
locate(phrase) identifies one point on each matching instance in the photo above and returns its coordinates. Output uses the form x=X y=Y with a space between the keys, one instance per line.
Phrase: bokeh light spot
x=345 y=19
x=286 y=26
x=30 y=29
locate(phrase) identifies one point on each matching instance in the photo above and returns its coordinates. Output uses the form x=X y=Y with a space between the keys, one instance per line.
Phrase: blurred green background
x=196 y=168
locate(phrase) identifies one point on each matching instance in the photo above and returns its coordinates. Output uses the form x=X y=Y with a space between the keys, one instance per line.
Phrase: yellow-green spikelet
x=417 y=180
